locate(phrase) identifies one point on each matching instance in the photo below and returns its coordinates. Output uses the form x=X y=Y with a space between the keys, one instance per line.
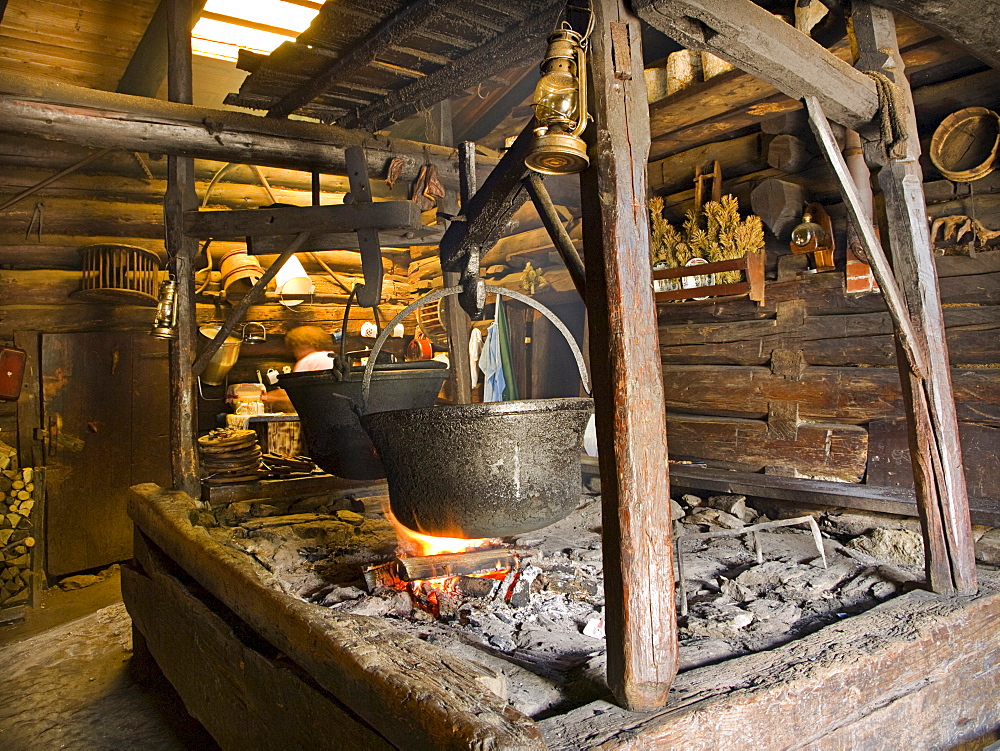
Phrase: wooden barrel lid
x=964 y=146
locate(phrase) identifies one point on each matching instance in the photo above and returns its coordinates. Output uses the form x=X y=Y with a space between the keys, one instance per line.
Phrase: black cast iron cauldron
x=327 y=407
x=481 y=470
x=328 y=404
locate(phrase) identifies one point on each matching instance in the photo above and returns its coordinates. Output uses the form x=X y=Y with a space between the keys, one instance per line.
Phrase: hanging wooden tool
x=370 y=292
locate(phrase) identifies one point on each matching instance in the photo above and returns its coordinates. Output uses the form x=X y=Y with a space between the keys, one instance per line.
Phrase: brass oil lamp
x=165 y=320
x=560 y=104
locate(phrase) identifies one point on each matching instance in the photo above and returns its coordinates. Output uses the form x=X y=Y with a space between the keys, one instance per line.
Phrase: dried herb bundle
x=717 y=234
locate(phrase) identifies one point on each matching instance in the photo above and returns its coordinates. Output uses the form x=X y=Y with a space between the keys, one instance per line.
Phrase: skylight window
x=258 y=25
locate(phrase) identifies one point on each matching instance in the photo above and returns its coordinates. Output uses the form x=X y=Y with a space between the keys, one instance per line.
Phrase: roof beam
x=148 y=67
x=763 y=45
x=101 y=119
x=969 y=23
x=523 y=42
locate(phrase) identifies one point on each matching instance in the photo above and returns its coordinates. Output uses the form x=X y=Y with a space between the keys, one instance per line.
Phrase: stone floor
x=68 y=682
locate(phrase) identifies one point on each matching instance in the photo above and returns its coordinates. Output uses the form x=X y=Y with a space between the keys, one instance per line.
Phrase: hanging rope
x=890 y=110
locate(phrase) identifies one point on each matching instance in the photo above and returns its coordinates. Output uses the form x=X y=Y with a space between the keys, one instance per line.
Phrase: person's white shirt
x=314 y=361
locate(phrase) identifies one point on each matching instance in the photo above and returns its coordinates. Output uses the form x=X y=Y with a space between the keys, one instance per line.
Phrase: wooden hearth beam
x=418 y=695
x=970 y=23
x=290 y=220
x=759 y=43
x=101 y=119
x=410 y=18
x=928 y=396
x=181 y=251
x=523 y=43
x=627 y=373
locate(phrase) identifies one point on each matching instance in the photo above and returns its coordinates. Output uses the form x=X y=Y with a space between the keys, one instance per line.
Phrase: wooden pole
x=102 y=119
x=557 y=232
x=439 y=131
x=181 y=251
x=930 y=403
x=628 y=387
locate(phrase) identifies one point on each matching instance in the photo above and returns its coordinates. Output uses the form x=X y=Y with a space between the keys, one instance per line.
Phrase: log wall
x=806 y=385
x=118 y=198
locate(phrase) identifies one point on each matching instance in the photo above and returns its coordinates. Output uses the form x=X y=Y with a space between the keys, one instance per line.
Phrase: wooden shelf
x=751 y=264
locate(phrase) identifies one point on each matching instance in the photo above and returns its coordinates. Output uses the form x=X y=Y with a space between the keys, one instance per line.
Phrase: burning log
x=401 y=572
x=421 y=567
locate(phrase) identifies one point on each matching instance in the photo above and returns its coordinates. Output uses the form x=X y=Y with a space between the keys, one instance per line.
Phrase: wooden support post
x=181 y=250
x=930 y=403
x=628 y=381
x=369 y=293
x=439 y=131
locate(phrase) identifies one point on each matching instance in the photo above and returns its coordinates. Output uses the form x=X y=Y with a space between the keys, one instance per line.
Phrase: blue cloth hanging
x=492 y=366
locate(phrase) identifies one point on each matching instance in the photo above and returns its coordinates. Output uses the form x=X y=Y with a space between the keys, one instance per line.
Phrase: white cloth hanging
x=475 y=350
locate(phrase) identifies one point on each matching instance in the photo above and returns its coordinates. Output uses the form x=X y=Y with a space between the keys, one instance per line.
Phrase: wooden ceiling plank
x=758 y=42
x=248 y=24
x=393 y=29
x=523 y=42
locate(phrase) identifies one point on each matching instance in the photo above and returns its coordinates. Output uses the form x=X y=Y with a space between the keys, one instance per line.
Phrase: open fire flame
x=425 y=592
x=416 y=543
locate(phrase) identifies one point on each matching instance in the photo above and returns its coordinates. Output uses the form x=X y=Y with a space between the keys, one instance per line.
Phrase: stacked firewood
x=16 y=535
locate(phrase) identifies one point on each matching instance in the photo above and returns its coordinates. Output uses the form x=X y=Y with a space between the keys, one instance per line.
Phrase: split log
x=738 y=156
x=823 y=295
x=413 y=568
x=851 y=339
x=779 y=204
x=935 y=102
x=38 y=156
x=418 y=695
x=788 y=153
x=848 y=395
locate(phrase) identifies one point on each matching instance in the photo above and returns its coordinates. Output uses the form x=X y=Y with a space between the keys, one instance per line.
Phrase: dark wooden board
x=219 y=495
x=889 y=461
x=849 y=395
x=817 y=449
x=290 y=220
x=245 y=693
x=852 y=339
x=818 y=492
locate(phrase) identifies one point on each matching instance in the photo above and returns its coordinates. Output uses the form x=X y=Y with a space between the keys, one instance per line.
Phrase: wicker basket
x=120 y=274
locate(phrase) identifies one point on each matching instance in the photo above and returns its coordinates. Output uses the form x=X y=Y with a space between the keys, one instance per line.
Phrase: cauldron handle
x=437 y=294
x=343 y=330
